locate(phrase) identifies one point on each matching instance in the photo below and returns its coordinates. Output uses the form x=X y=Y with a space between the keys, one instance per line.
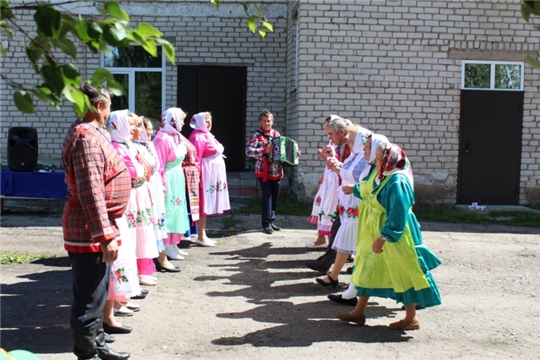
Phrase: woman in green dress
x=391 y=261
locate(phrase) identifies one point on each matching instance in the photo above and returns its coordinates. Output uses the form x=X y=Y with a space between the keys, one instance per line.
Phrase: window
x=143 y=77
x=492 y=75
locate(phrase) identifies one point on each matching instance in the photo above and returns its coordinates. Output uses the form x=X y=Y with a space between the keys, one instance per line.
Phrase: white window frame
x=492 y=74
x=130 y=71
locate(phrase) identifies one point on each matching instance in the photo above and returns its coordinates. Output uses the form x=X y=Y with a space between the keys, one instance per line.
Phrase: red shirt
x=255 y=148
x=98 y=189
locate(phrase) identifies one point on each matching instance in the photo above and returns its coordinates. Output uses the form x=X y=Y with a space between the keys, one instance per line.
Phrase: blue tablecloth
x=48 y=185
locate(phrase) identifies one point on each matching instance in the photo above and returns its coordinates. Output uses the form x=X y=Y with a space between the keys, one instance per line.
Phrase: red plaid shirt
x=255 y=148
x=98 y=189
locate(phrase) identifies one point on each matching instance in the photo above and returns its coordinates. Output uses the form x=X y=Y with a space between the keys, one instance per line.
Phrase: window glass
x=507 y=76
x=148 y=94
x=134 y=56
x=477 y=76
x=121 y=102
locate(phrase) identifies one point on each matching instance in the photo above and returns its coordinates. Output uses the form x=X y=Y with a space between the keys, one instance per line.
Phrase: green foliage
x=55 y=32
x=62 y=32
x=255 y=17
x=287 y=205
x=17 y=258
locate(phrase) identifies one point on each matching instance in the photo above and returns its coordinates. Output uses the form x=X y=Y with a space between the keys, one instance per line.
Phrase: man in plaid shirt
x=98 y=191
x=269 y=173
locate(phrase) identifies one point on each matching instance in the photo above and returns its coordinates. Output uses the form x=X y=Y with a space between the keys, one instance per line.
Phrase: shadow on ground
x=38 y=308
x=297 y=324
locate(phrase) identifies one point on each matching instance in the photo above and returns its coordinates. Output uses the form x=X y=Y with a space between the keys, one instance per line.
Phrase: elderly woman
x=214 y=192
x=325 y=201
x=171 y=152
x=349 y=171
x=367 y=181
x=388 y=261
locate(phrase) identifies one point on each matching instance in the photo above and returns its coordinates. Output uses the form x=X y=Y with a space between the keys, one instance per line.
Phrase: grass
x=287 y=205
x=18 y=258
x=448 y=213
x=229 y=224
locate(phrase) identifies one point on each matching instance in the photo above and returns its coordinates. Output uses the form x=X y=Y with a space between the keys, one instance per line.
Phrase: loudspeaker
x=22 y=148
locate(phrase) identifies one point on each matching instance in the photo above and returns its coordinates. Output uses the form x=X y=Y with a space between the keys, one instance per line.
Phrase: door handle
x=467 y=146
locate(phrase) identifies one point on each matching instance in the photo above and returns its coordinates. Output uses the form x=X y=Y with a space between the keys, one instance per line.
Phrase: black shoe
x=340 y=300
x=314 y=266
x=268 y=229
x=162 y=268
x=141 y=296
x=116 y=330
x=333 y=283
x=350 y=270
x=418 y=307
x=109 y=354
x=109 y=339
x=275 y=228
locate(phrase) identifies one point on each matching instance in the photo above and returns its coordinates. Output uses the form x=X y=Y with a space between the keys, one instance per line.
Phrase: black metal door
x=222 y=91
x=490 y=147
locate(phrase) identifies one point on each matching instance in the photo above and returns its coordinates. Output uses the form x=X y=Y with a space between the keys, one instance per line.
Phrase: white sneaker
x=311 y=245
x=172 y=253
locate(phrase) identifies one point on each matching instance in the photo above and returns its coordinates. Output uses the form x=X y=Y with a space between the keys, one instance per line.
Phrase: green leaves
x=23 y=101
x=116 y=11
x=56 y=30
x=104 y=76
x=48 y=20
x=256 y=19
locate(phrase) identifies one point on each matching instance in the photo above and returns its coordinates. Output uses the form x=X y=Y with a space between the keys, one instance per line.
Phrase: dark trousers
x=90 y=289
x=270 y=195
x=327 y=259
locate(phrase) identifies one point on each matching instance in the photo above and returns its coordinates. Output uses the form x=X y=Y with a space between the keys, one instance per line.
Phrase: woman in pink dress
x=214 y=192
x=171 y=151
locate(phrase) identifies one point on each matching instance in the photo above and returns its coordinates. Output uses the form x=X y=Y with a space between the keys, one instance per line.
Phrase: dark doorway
x=220 y=90
x=490 y=147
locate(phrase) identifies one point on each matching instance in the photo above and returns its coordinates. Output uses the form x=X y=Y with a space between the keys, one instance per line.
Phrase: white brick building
x=404 y=69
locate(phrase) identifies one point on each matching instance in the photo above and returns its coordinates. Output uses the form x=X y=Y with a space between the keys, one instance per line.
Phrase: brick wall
x=201 y=35
x=395 y=67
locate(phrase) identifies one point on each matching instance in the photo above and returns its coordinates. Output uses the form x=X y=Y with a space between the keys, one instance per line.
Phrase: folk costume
x=347 y=208
x=171 y=152
x=400 y=272
x=214 y=191
x=139 y=214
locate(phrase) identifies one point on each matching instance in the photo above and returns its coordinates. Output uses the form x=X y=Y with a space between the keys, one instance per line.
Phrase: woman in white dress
x=214 y=191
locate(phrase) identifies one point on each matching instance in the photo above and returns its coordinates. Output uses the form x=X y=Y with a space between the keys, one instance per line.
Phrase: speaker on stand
x=22 y=149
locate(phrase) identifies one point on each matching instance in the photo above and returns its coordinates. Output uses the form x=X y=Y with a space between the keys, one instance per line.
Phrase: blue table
x=28 y=184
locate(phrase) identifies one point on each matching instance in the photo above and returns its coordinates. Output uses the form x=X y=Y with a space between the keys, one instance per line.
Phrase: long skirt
x=177 y=222
x=124 y=268
x=325 y=202
x=345 y=240
x=214 y=196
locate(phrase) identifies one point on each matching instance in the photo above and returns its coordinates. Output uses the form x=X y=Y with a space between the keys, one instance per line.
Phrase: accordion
x=285 y=151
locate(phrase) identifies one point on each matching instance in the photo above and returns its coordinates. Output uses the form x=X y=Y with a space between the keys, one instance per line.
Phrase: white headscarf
x=376 y=140
x=118 y=126
x=170 y=121
x=144 y=135
x=198 y=122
